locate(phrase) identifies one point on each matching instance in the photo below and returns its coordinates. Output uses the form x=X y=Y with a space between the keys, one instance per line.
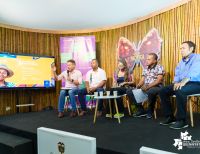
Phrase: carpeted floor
x=126 y=137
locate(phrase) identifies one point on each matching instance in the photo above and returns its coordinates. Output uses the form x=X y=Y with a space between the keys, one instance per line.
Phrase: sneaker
x=168 y=121
x=149 y=116
x=140 y=114
x=120 y=115
x=108 y=115
x=179 y=125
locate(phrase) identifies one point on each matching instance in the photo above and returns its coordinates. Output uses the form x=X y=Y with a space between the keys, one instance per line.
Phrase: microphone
x=91 y=78
x=68 y=73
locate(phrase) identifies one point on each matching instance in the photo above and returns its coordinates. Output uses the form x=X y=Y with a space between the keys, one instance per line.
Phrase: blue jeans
x=63 y=93
x=181 y=98
x=81 y=98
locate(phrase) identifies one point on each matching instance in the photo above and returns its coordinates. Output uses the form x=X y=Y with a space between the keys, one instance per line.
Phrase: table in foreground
x=109 y=98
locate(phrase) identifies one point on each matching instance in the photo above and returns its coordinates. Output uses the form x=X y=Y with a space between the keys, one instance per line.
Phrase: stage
x=112 y=137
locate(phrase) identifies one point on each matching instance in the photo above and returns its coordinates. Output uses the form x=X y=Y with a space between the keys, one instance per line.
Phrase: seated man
x=73 y=78
x=95 y=81
x=186 y=82
x=150 y=83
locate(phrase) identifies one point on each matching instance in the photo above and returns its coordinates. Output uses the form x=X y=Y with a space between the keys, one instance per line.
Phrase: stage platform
x=112 y=137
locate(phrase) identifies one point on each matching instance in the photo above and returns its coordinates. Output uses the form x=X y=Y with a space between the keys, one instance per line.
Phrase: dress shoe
x=149 y=116
x=73 y=114
x=179 y=125
x=82 y=113
x=170 y=120
x=139 y=114
x=60 y=115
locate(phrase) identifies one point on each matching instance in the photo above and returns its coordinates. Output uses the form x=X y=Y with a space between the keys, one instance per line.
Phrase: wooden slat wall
x=175 y=26
x=28 y=43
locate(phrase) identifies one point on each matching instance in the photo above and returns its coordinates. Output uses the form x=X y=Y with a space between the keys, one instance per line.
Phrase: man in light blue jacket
x=186 y=82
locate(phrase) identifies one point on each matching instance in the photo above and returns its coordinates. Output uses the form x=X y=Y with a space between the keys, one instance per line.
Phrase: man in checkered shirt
x=150 y=84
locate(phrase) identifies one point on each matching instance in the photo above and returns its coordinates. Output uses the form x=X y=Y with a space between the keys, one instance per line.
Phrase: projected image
x=25 y=71
x=5 y=72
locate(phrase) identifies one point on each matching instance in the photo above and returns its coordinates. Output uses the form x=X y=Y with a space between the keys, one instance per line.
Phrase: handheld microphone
x=68 y=73
x=91 y=78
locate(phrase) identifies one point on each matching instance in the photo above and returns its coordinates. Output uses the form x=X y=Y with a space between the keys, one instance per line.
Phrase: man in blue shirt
x=186 y=82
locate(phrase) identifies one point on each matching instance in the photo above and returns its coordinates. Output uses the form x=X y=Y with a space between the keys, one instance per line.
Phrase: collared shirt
x=75 y=75
x=188 y=68
x=95 y=77
x=8 y=84
x=151 y=74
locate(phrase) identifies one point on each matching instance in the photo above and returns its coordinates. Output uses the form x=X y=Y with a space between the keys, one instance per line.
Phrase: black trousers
x=81 y=98
x=181 y=98
x=152 y=94
x=120 y=91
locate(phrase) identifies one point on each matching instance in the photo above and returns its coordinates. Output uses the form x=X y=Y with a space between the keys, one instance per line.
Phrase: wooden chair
x=67 y=103
x=190 y=107
x=145 y=103
x=189 y=103
x=127 y=103
x=77 y=101
x=157 y=104
x=91 y=99
x=156 y=107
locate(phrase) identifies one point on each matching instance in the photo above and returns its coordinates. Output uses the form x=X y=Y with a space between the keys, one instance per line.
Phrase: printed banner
x=80 y=48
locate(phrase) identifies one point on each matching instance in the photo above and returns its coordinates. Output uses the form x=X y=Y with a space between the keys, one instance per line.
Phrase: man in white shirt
x=73 y=78
x=95 y=82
